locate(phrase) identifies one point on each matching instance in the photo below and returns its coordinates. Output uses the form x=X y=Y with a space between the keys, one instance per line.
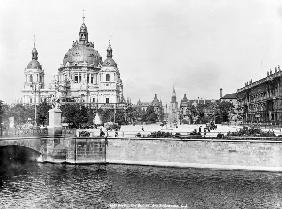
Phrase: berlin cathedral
x=82 y=77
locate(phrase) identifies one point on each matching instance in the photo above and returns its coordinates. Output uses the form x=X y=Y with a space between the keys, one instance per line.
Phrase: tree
x=1 y=108
x=120 y=117
x=223 y=110
x=106 y=115
x=1 y=116
x=75 y=115
x=42 y=113
x=21 y=113
x=150 y=115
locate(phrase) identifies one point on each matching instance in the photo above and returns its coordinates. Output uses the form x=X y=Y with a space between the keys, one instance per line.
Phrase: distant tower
x=173 y=109
x=173 y=102
x=34 y=79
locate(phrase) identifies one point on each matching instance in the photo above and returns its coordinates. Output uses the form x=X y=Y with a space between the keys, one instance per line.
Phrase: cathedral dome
x=83 y=53
x=34 y=64
x=109 y=62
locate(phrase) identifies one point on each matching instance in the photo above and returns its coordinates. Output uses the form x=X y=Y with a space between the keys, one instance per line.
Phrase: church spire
x=109 y=51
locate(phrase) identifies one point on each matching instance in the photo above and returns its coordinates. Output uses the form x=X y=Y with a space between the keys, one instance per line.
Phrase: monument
x=55 y=120
x=97 y=120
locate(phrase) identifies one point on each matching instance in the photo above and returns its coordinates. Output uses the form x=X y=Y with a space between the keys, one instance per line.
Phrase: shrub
x=252 y=131
x=160 y=134
x=84 y=134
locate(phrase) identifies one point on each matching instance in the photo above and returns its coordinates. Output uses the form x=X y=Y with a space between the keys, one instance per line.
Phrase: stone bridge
x=61 y=149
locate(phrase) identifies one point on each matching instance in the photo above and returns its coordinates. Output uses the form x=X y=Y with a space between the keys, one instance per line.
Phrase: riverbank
x=234 y=153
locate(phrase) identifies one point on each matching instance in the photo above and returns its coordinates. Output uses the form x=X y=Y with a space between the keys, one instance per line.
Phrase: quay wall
x=254 y=154
x=218 y=154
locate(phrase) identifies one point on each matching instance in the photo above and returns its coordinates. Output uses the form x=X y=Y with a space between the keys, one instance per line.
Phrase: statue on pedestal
x=55 y=101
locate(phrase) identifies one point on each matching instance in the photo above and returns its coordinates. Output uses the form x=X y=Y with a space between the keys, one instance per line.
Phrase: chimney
x=220 y=94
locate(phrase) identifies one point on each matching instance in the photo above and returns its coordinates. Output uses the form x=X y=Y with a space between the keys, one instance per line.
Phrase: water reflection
x=33 y=185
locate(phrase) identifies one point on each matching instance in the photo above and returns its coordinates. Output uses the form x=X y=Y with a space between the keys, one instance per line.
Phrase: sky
x=197 y=46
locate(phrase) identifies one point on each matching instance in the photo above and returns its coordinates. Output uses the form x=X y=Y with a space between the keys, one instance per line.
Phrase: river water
x=35 y=185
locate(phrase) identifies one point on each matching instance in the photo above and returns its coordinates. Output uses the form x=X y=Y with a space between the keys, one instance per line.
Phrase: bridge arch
x=37 y=144
x=22 y=154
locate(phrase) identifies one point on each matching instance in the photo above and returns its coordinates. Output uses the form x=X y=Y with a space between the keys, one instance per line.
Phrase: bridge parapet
x=61 y=149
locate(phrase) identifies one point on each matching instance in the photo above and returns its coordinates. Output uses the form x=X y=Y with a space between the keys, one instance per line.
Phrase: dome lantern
x=34 y=51
x=83 y=34
x=34 y=64
x=109 y=51
x=34 y=54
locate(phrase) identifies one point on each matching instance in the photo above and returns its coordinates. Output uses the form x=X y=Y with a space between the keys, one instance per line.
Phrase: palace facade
x=83 y=76
x=262 y=100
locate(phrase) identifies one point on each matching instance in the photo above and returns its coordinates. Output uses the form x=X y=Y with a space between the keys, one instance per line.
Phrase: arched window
x=30 y=78
x=108 y=77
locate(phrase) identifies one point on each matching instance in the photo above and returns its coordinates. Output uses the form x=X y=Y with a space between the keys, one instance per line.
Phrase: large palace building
x=82 y=77
x=262 y=100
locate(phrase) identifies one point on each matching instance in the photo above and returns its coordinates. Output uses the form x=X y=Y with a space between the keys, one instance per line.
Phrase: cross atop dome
x=83 y=16
x=33 y=40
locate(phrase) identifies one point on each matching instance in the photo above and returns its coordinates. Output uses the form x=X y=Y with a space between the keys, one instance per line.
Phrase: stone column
x=55 y=122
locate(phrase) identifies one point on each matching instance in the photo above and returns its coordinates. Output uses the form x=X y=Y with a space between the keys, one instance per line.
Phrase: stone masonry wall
x=220 y=154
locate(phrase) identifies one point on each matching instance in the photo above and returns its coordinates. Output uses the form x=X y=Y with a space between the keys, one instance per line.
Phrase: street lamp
x=34 y=88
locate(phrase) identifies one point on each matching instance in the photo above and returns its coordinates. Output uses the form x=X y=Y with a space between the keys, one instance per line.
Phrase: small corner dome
x=109 y=62
x=34 y=64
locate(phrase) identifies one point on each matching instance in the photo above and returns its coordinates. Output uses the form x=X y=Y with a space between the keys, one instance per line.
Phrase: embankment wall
x=218 y=154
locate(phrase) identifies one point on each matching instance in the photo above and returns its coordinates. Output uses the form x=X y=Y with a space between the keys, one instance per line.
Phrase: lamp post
x=1 y=126
x=34 y=88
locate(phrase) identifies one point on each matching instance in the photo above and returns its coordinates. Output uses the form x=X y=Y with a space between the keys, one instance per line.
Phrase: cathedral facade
x=83 y=76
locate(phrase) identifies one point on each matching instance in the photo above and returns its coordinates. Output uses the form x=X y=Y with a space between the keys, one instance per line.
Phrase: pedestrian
x=102 y=133
x=142 y=128
x=116 y=132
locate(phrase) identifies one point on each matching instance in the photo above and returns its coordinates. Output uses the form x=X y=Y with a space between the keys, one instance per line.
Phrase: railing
x=133 y=134
x=68 y=132
x=153 y=134
x=264 y=125
x=35 y=132
x=24 y=132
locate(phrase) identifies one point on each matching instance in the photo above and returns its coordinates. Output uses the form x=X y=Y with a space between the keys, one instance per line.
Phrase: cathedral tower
x=34 y=79
x=111 y=88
